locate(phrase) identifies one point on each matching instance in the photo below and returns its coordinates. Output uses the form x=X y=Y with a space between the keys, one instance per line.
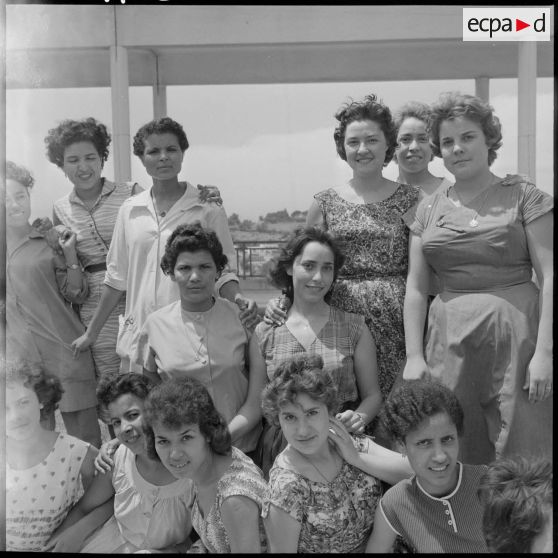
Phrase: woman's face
x=23 y=412
x=365 y=147
x=18 y=204
x=463 y=147
x=432 y=449
x=162 y=156
x=305 y=424
x=83 y=165
x=125 y=415
x=312 y=272
x=184 y=451
x=413 y=152
x=195 y=273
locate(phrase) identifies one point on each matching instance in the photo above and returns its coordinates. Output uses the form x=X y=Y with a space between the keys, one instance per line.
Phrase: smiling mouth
x=439 y=469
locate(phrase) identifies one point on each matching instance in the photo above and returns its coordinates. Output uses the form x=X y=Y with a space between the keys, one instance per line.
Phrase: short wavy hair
x=413 y=402
x=159 y=126
x=19 y=174
x=47 y=387
x=516 y=493
x=185 y=401
x=412 y=109
x=191 y=238
x=369 y=109
x=294 y=247
x=452 y=105
x=111 y=387
x=69 y=132
x=301 y=374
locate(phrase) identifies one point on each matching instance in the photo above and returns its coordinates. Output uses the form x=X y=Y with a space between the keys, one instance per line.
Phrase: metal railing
x=253 y=256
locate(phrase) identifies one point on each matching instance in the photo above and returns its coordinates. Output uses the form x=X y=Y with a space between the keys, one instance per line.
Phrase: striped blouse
x=452 y=524
x=93 y=227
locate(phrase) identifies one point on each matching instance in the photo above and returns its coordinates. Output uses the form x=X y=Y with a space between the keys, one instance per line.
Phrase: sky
x=267 y=147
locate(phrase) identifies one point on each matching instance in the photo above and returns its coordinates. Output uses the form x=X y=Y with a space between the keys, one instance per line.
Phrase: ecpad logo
x=506 y=24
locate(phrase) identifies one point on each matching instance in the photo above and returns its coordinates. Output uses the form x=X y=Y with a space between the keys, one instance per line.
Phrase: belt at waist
x=96 y=267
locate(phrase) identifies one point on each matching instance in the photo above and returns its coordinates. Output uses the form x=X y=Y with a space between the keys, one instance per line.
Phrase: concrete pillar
x=159 y=100
x=482 y=88
x=120 y=113
x=527 y=108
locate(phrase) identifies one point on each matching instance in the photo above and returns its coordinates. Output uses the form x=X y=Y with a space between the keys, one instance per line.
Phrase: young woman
x=151 y=509
x=40 y=324
x=193 y=441
x=142 y=228
x=322 y=493
x=489 y=334
x=201 y=336
x=306 y=270
x=45 y=470
x=437 y=510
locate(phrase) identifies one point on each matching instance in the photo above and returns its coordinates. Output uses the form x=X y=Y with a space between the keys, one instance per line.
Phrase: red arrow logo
x=519 y=25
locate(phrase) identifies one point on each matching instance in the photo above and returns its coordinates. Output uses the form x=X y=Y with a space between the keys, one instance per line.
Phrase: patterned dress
x=39 y=498
x=94 y=228
x=374 y=240
x=335 y=343
x=483 y=325
x=242 y=478
x=333 y=517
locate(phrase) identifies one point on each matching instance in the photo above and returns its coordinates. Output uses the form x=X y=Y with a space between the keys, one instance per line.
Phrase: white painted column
x=527 y=108
x=482 y=88
x=120 y=113
x=159 y=100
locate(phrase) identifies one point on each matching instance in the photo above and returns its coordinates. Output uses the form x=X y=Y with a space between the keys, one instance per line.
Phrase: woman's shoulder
x=339 y=315
x=163 y=313
x=242 y=478
x=71 y=443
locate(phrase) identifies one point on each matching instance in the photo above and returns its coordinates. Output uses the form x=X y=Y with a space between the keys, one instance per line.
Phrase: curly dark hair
x=191 y=238
x=415 y=401
x=516 y=493
x=159 y=126
x=369 y=109
x=452 y=105
x=19 y=174
x=111 y=387
x=279 y=265
x=300 y=374
x=31 y=375
x=412 y=109
x=74 y=131
x=177 y=402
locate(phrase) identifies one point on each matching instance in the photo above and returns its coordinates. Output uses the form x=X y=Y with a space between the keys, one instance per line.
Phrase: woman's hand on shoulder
x=515 y=179
x=248 y=311
x=103 y=461
x=275 y=315
x=342 y=440
x=209 y=194
x=415 y=369
x=352 y=421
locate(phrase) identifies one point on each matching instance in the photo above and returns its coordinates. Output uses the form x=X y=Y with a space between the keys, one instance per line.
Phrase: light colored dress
x=94 y=228
x=39 y=498
x=146 y=516
x=482 y=326
x=208 y=346
x=242 y=478
x=452 y=524
x=335 y=343
x=334 y=517
x=374 y=239
x=41 y=325
x=134 y=257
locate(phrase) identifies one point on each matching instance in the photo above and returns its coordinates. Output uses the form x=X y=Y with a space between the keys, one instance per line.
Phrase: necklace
x=474 y=222
x=313 y=465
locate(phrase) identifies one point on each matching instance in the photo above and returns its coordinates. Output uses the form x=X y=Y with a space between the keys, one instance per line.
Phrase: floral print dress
x=374 y=239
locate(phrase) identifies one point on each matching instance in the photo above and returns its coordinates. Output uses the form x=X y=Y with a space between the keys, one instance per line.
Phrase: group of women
x=390 y=281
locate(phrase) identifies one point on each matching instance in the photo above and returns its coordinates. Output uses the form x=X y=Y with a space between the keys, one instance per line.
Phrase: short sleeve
x=288 y=491
x=387 y=511
x=117 y=258
x=145 y=355
x=262 y=333
x=533 y=203
x=415 y=217
x=356 y=326
x=243 y=485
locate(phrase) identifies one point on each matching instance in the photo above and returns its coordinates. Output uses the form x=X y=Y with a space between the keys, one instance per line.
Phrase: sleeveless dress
x=94 y=230
x=374 y=239
x=146 y=516
x=483 y=325
x=39 y=498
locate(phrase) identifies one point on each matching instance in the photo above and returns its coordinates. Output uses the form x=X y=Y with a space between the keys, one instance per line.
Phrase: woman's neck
x=27 y=453
x=361 y=184
x=164 y=190
x=424 y=179
x=90 y=194
x=202 y=306
x=15 y=234
x=309 y=309
x=209 y=473
x=472 y=186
